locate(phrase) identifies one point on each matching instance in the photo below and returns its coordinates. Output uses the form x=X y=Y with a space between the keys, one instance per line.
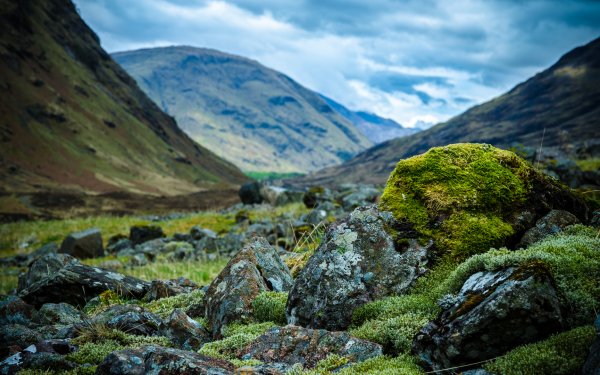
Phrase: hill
x=376 y=128
x=560 y=105
x=72 y=119
x=255 y=117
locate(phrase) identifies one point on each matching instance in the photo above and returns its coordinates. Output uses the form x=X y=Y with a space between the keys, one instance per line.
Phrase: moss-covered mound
x=470 y=197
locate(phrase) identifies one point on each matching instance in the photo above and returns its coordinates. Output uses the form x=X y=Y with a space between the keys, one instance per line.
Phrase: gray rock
x=143 y=233
x=555 y=221
x=24 y=260
x=60 y=313
x=59 y=278
x=255 y=268
x=592 y=363
x=495 y=312
x=250 y=193
x=17 y=335
x=184 y=332
x=44 y=356
x=280 y=196
x=83 y=245
x=14 y=310
x=363 y=196
x=131 y=319
x=158 y=360
x=198 y=233
x=118 y=243
x=357 y=262
x=292 y=344
x=168 y=288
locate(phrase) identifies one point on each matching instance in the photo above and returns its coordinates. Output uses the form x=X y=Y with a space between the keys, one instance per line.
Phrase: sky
x=418 y=62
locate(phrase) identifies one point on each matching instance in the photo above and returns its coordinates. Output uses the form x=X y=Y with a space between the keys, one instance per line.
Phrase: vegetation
x=269 y=176
x=236 y=336
x=270 y=307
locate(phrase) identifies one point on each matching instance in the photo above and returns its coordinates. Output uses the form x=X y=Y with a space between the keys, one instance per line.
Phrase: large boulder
x=59 y=278
x=83 y=245
x=470 y=197
x=254 y=269
x=158 y=360
x=493 y=313
x=357 y=262
x=250 y=193
x=554 y=222
x=291 y=345
x=141 y=233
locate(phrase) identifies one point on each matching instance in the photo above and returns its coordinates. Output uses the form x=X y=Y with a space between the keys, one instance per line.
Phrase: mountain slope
x=71 y=118
x=560 y=105
x=377 y=129
x=251 y=115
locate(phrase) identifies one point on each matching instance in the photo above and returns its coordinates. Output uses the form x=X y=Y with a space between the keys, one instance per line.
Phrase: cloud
x=413 y=61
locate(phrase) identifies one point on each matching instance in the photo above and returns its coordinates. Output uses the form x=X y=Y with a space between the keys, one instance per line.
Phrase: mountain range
x=255 y=117
x=558 y=107
x=73 y=119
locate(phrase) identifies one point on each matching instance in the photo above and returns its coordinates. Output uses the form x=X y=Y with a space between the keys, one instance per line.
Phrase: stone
x=357 y=262
x=555 y=221
x=83 y=245
x=59 y=278
x=142 y=233
x=316 y=195
x=198 y=233
x=13 y=310
x=17 y=335
x=59 y=313
x=280 y=196
x=184 y=332
x=130 y=319
x=158 y=360
x=493 y=313
x=24 y=260
x=292 y=344
x=118 y=243
x=44 y=356
x=169 y=288
x=250 y=193
x=362 y=196
x=592 y=363
x=265 y=369
x=254 y=269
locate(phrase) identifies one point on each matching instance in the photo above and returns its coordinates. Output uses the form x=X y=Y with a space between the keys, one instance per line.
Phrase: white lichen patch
x=115 y=276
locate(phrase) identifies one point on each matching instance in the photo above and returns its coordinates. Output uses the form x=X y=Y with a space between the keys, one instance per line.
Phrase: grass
x=268 y=176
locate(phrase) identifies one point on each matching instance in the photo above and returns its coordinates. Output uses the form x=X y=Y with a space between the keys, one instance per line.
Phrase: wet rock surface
x=493 y=313
x=356 y=263
x=292 y=344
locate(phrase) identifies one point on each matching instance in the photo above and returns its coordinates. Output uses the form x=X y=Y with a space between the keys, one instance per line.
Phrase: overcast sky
x=421 y=60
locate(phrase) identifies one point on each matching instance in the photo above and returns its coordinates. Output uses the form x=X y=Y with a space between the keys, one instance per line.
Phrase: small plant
x=270 y=307
x=237 y=336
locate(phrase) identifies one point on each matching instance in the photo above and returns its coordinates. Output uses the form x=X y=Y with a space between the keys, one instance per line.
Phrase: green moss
x=394 y=334
x=563 y=353
x=164 y=307
x=474 y=187
x=246 y=362
x=236 y=337
x=99 y=333
x=384 y=365
x=93 y=353
x=270 y=307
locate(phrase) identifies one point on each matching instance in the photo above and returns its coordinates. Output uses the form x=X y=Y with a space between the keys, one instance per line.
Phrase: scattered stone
x=363 y=196
x=83 y=245
x=184 y=332
x=198 y=233
x=17 y=335
x=59 y=313
x=493 y=313
x=44 y=356
x=59 y=278
x=131 y=319
x=280 y=196
x=158 y=360
x=117 y=243
x=168 y=288
x=555 y=221
x=264 y=369
x=24 y=260
x=250 y=193
x=292 y=344
x=14 y=310
x=143 y=233
x=254 y=269
x=357 y=262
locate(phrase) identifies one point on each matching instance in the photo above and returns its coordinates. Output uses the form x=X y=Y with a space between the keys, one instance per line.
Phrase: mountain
x=377 y=129
x=72 y=119
x=559 y=107
x=253 y=116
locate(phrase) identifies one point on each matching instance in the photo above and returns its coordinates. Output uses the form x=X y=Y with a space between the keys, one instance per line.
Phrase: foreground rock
x=291 y=345
x=555 y=221
x=130 y=319
x=83 y=245
x=43 y=356
x=254 y=269
x=493 y=313
x=59 y=278
x=158 y=360
x=356 y=263
x=184 y=331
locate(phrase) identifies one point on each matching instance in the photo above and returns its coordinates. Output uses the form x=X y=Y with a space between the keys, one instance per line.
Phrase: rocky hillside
x=376 y=128
x=71 y=118
x=560 y=105
x=255 y=117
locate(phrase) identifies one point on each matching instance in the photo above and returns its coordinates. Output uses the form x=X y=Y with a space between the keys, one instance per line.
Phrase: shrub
x=270 y=307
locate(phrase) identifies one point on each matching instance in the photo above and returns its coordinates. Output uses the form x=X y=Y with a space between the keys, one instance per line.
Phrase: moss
x=93 y=353
x=236 y=336
x=394 y=334
x=99 y=333
x=164 y=307
x=563 y=353
x=384 y=365
x=245 y=362
x=475 y=188
x=270 y=307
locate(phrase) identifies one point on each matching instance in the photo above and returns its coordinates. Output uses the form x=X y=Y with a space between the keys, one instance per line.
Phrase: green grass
x=268 y=176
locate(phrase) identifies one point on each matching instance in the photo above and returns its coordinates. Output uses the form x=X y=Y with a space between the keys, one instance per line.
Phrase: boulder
x=18 y=336
x=59 y=278
x=493 y=313
x=59 y=313
x=555 y=221
x=250 y=193
x=316 y=195
x=24 y=260
x=184 y=332
x=158 y=360
x=131 y=319
x=254 y=269
x=117 y=243
x=142 y=233
x=198 y=233
x=292 y=344
x=13 y=310
x=168 y=288
x=357 y=262
x=83 y=245
x=280 y=196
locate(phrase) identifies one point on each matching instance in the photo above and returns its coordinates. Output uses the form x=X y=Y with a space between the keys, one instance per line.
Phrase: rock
x=555 y=221
x=250 y=193
x=118 y=243
x=592 y=363
x=24 y=260
x=280 y=196
x=595 y=221
x=264 y=369
x=59 y=278
x=131 y=319
x=198 y=233
x=493 y=313
x=59 y=313
x=363 y=196
x=143 y=233
x=168 y=288
x=316 y=195
x=292 y=344
x=44 y=356
x=17 y=335
x=224 y=246
x=357 y=262
x=184 y=332
x=14 y=310
x=83 y=245
x=254 y=269
x=158 y=360
x=112 y=265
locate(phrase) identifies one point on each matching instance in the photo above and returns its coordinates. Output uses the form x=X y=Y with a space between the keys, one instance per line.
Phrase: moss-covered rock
x=470 y=197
